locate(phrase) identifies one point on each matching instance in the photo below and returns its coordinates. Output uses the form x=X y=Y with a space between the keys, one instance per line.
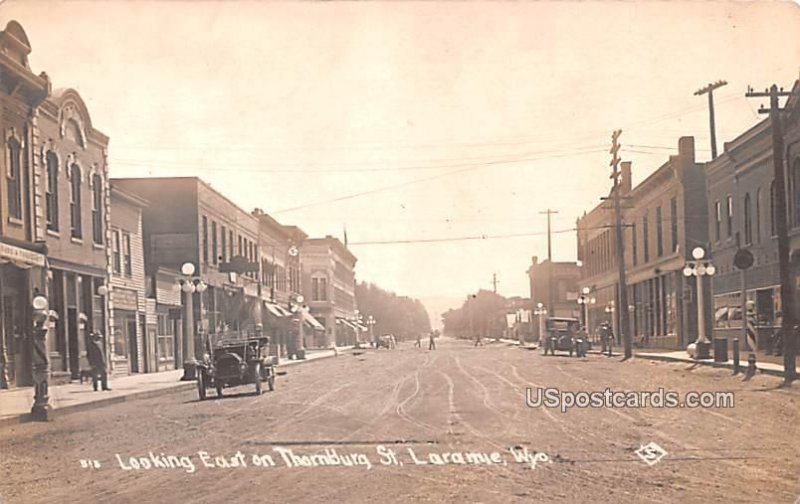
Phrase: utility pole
x=781 y=227
x=494 y=282
x=549 y=212
x=710 y=91
x=623 y=285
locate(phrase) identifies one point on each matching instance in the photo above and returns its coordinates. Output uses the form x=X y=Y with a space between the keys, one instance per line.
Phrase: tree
x=482 y=313
x=402 y=316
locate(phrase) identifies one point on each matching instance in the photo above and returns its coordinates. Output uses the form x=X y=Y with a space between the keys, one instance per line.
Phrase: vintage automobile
x=236 y=361
x=564 y=335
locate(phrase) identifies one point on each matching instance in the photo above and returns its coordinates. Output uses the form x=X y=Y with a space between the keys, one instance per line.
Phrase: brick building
x=22 y=248
x=665 y=218
x=565 y=276
x=187 y=221
x=740 y=215
x=329 y=287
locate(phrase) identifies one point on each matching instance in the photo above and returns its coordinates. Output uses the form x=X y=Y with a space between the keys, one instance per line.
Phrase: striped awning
x=274 y=309
x=312 y=322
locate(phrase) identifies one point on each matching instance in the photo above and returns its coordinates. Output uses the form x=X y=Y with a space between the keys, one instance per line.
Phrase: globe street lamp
x=699 y=268
x=541 y=311
x=190 y=284
x=584 y=300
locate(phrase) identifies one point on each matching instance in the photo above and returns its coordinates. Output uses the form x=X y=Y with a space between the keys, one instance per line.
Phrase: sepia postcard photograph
x=399 y=251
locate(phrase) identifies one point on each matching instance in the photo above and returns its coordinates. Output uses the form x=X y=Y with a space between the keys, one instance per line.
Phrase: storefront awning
x=312 y=322
x=274 y=309
x=346 y=323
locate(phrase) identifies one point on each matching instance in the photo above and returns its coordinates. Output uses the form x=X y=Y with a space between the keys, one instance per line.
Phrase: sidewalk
x=15 y=404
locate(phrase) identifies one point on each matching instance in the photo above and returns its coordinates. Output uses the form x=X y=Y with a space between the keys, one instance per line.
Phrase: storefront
x=21 y=274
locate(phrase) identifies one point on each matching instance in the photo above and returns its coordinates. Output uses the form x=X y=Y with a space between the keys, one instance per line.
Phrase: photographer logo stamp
x=651 y=453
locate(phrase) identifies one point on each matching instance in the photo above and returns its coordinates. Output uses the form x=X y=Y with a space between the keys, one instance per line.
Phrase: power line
x=588 y=149
x=418 y=181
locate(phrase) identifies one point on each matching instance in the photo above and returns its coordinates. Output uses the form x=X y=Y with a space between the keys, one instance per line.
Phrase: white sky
x=281 y=105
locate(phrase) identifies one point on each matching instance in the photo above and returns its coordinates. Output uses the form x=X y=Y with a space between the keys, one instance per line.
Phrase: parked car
x=236 y=361
x=387 y=341
x=564 y=335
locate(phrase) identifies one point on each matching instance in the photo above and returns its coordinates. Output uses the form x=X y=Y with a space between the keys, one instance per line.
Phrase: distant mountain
x=438 y=305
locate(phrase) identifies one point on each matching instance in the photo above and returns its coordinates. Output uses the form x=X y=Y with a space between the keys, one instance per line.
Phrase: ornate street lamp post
x=370 y=323
x=41 y=363
x=699 y=268
x=541 y=311
x=190 y=284
x=298 y=308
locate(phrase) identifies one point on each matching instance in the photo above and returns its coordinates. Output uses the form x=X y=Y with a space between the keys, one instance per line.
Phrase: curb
x=143 y=394
x=722 y=365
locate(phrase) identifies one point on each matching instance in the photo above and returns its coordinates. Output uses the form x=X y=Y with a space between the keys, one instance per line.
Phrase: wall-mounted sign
x=20 y=254
x=125 y=299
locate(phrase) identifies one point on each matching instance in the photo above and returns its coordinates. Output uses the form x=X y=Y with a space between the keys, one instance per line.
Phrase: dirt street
x=412 y=425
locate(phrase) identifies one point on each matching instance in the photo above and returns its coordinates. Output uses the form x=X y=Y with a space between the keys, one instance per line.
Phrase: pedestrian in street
x=418 y=344
x=97 y=360
x=432 y=342
x=478 y=340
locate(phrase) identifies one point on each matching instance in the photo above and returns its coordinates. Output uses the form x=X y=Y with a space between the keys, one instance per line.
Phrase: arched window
x=51 y=193
x=748 y=221
x=772 y=212
x=75 y=201
x=14 y=184
x=758 y=215
x=97 y=209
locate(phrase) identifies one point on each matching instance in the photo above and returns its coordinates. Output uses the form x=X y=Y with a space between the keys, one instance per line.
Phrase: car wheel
x=257 y=378
x=201 y=385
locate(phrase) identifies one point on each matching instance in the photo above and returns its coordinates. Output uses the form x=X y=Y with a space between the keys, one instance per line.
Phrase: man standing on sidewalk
x=97 y=359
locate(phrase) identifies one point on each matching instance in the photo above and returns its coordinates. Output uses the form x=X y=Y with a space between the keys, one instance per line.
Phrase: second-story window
x=634 y=245
x=717 y=220
x=319 y=289
x=75 y=201
x=97 y=209
x=758 y=215
x=645 y=238
x=673 y=216
x=116 y=256
x=205 y=239
x=51 y=193
x=224 y=249
x=659 y=233
x=126 y=254
x=14 y=183
x=772 y=209
x=214 y=256
x=748 y=223
x=729 y=221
